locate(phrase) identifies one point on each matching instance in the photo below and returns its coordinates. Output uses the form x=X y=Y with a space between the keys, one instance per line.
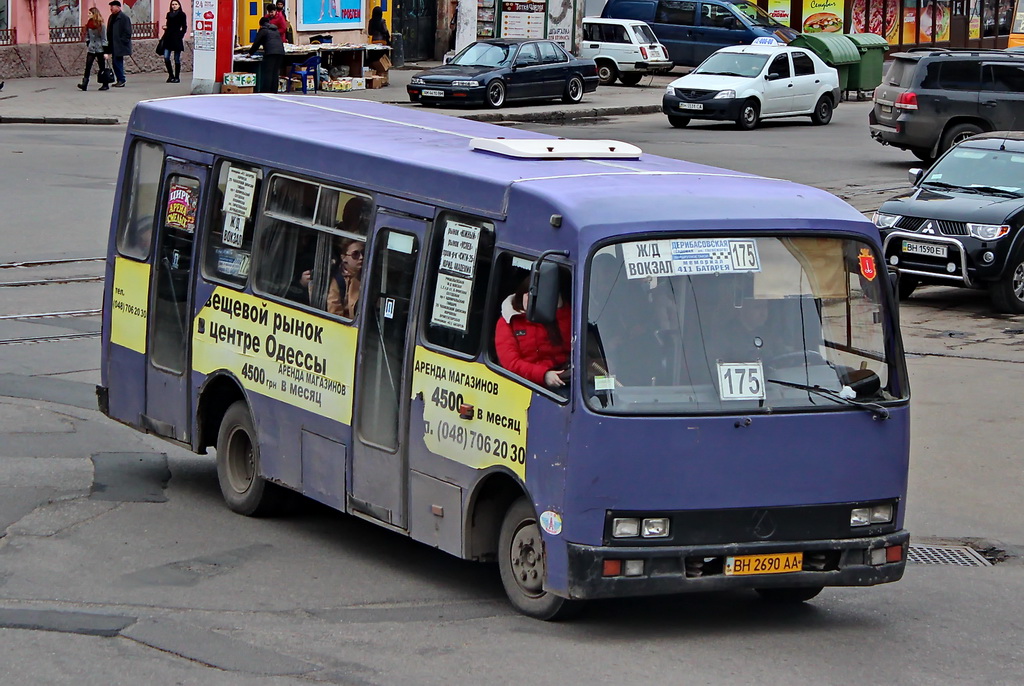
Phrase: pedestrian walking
x=173 y=40
x=269 y=38
x=95 y=44
x=119 y=40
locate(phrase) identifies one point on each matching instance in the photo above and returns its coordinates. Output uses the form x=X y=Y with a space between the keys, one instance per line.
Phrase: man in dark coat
x=269 y=38
x=119 y=40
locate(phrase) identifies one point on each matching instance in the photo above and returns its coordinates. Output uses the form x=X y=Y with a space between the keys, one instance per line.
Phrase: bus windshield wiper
x=875 y=409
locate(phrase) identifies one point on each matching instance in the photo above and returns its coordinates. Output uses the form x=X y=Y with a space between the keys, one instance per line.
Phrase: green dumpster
x=835 y=50
x=867 y=74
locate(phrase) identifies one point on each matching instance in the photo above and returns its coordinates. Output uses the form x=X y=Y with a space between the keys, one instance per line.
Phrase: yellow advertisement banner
x=285 y=354
x=823 y=16
x=130 y=304
x=471 y=415
x=779 y=11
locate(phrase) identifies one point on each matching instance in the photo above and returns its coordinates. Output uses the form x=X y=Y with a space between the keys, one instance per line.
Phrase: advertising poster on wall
x=880 y=17
x=934 y=23
x=823 y=16
x=64 y=14
x=560 y=22
x=204 y=22
x=330 y=15
x=779 y=11
x=522 y=19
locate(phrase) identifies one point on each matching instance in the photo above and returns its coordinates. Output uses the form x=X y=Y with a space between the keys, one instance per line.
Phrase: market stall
x=342 y=67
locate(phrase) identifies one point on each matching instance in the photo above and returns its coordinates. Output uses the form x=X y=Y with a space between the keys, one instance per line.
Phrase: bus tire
x=238 y=465
x=522 y=566
x=788 y=595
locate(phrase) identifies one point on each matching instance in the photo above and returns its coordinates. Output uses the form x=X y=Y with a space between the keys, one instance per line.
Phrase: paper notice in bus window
x=458 y=253
x=691 y=256
x=182 y=202
x=239 y=191
x=451 y=302
x=234 y=230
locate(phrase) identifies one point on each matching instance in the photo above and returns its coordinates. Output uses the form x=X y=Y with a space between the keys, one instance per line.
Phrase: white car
x=748 y=83
x=626 y=49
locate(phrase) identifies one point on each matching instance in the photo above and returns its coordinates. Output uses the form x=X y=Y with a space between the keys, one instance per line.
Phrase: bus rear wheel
x=238 y=466
x=788 y=595
x=522 y=565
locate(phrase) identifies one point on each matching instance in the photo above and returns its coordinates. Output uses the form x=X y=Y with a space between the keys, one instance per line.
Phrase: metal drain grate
x=958 y=555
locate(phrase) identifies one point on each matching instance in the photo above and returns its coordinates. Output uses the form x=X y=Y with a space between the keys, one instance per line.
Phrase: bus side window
x=521 y=353
x=310 y=247
x=138 y=209
x=460 y=259
x=228 y=248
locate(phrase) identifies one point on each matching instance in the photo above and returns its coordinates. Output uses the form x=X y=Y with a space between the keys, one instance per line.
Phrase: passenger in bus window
x=536 y=352
x=343 y=289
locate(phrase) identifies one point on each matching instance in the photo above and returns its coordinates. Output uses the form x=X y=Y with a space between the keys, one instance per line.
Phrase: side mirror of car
x=772 y=77
x=915 y=175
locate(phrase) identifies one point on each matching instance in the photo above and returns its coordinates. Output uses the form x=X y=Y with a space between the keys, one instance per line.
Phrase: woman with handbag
x=173 y=41
x=95 y=42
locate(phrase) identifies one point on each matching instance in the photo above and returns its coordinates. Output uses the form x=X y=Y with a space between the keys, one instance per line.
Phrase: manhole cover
x=958 y=555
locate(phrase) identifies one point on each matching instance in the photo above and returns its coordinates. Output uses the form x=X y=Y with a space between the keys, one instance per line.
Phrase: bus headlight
x=876 y=514
x=625 y=527
x=654 y=527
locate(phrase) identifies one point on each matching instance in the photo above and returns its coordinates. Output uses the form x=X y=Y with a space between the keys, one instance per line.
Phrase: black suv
x=931 y=99
x=961 y=224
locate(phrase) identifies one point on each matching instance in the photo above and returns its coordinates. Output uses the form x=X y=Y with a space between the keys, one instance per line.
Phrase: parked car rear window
x=802 y=64
x=644 y=34
x=900 y=73
x=676 y=12
x=953 y=76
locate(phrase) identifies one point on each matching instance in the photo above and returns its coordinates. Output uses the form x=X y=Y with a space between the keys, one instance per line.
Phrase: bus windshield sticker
x=239 y=192
x=389 y=308
x=182 y=202
x=690 y=256
x=740 y=381
x=451 y=302
x=604 y=383
x=458 y=252
x=400 y=242
x=234 y=229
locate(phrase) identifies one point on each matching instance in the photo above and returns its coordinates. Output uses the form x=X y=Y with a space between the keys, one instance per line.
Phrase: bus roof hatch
x=556 y=148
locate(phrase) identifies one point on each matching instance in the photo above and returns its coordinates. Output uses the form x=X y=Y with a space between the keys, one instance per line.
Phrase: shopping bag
x=106 y=76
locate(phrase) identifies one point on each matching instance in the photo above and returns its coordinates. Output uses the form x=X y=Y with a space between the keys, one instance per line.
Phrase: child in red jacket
x=536 y=352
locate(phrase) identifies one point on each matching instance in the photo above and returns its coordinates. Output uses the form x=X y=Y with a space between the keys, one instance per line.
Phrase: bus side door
x=169 y=370
x=379 y=468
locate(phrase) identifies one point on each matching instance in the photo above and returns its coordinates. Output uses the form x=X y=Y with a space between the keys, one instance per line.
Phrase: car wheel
x=573 y=90
x=678 y=122
x=630 y=78
x=822 y=111
x=607 y=72
x=749 y=116
x=788 y=595
x=1008 y=292
x=522 y=563
x=238 y=466
x=495 y=94
x=923 y=154
x=957 y=133
x=907 y=286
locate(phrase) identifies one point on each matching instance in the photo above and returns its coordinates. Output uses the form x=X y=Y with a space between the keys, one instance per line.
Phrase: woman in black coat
x=268 y=38
x=173 y=40
x=377 y=29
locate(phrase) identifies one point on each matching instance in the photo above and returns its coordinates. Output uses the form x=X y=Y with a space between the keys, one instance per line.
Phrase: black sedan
x=495 y=71
x=961 y=224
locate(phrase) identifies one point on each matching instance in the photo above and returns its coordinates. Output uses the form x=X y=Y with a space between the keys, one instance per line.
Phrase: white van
x=626 y=49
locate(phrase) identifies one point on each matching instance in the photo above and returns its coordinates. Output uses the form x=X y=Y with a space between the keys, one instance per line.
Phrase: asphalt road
x=119 y=563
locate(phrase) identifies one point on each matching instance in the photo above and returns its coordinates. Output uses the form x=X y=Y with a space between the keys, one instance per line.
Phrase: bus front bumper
x=691 y=569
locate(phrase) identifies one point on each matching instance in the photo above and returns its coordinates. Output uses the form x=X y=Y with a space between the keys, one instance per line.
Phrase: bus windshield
x=720 y=325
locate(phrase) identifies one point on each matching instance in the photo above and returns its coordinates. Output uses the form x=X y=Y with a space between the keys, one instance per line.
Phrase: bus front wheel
x=238 y=465
x=522 y=565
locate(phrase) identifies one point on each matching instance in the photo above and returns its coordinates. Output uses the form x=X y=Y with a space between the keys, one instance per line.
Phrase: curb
x=494 y=117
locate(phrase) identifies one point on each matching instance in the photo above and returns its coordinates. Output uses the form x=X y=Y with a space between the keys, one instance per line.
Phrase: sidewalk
x=57 y=100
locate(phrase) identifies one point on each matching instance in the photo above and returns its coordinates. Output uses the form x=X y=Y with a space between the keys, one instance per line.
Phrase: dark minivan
x=930 y=100
x=693 y=29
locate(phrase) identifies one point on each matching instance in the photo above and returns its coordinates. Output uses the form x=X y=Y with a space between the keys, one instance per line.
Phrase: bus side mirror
x=543 y=292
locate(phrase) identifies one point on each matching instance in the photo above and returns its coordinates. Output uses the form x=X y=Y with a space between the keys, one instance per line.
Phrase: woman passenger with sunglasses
x=343 y=291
